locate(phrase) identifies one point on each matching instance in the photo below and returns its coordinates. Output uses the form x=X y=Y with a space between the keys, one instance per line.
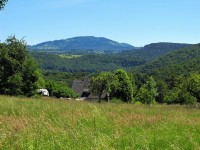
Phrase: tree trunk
x=100 y=96
x=108 y=97
x=99 y=99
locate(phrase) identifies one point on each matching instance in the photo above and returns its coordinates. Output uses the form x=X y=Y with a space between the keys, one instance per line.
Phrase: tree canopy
x=148 y=92
x=19 y=74
x=105 y=82
x=3 y=3
x=125 y=89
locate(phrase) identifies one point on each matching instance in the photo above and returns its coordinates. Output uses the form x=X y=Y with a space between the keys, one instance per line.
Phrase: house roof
x=79 y=86
x=82 y=88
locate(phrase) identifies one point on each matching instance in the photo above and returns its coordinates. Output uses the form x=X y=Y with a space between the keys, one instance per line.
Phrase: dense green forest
x=180 y=62
x=154 y=50
x=86 y=63
x=66 y=78
x=176 y=74
x=104 y=62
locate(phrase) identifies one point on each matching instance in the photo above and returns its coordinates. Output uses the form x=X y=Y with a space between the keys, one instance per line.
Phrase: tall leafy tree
x=179 y=95
x=162 y=89
x=192 y=85
x=105 y=82
x=148 y=92
x=31 y=76
x=186 y=90
x=19 y=73
x=125 y=89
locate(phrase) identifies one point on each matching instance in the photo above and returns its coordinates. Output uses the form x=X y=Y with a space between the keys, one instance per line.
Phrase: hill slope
x=86 y=63
x=154 y=50
x=182 y=61
x=83 y=43
x=104 y=62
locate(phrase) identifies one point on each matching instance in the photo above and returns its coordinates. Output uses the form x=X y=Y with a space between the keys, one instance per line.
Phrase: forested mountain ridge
x=179 y=62
x=86 y=63
x=83 y=43
x=105 y=62
x=154 y=50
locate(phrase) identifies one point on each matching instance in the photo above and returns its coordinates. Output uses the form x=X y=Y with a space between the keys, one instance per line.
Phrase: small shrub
x=59 y=90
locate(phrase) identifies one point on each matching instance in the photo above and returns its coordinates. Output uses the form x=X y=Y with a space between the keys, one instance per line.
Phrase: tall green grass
x=46 y=123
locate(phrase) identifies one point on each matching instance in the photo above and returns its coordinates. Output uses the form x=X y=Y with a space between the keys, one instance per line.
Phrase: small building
x=82 y=88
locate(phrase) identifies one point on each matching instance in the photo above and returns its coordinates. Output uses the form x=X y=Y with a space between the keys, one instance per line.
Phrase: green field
x=69 y=56
x=47 y=124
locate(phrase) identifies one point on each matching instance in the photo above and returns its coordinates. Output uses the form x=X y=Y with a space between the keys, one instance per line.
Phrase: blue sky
x=137 y=22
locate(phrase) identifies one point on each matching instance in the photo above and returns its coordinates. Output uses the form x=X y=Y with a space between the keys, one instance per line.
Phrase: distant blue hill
x=83 y=43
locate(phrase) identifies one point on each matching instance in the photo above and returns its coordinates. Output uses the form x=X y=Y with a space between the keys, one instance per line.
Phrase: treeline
x=147 y=90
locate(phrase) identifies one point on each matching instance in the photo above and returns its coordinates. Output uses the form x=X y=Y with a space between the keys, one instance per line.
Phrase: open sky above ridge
x=137 y=22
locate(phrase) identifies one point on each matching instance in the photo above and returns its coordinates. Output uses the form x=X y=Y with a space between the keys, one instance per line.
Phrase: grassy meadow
x=44 y=124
